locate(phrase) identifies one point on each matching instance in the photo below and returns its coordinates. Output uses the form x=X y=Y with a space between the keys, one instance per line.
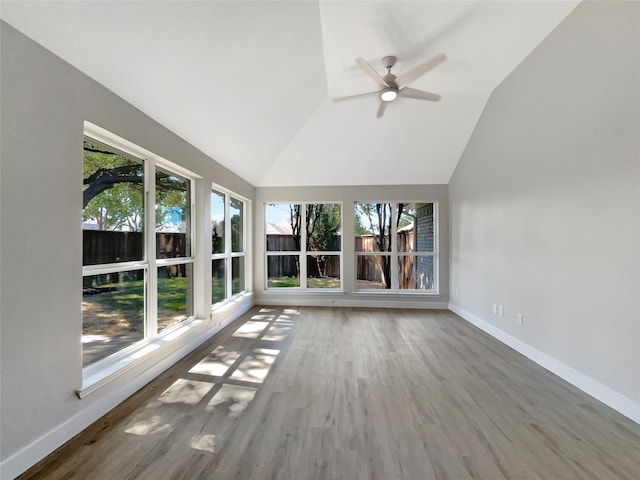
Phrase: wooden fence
x=368 y=267
x=102 y=247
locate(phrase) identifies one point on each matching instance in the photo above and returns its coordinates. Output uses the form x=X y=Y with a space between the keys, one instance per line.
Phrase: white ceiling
x=250 y=83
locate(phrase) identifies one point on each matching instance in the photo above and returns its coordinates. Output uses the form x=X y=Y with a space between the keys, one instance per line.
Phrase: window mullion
x=151 y=304
x=393 y=232
x=303 y=246
x=228 y=273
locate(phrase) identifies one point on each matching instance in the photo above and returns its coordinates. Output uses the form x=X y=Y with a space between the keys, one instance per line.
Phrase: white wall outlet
x=495 y=308
x=500 y=311
x=520 y=319
x=457 y=292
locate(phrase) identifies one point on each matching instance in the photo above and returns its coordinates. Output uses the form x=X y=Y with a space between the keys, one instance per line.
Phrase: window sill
x=411 y=293
x=108 y=369
x=226 y=306
x=298 y=291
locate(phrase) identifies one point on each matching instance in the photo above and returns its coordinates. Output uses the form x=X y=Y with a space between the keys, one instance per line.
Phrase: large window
x=396 y=247
x=137 y=249
x=228 y=246
x=303 y=245
x=174 y=261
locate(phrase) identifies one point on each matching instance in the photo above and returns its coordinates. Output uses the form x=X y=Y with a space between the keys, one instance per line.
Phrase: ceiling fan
x=394 y=87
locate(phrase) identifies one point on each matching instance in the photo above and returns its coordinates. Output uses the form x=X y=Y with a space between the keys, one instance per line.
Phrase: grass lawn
x=129 y=295
x=288 y=282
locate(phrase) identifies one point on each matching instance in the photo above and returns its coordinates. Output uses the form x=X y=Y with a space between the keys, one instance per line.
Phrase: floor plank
x=339 y=393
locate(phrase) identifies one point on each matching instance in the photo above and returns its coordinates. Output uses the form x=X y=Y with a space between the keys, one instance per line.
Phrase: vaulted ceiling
x=251 y=83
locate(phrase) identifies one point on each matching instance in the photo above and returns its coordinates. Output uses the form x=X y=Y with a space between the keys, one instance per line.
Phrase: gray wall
x=545 y=205
x=44 y=103
x=349 y=195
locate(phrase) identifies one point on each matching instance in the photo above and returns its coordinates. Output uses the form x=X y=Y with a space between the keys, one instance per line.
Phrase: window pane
x=373 y=224
x=112 y=313
x=236 y=212
x=218 y=291
x=415 y=272
x=373 y=272
x=323 y=271
x=323 y=221
x=217 y=222
x=112 y=214
x=283 y=227
x=173 y=215
x=237 y=273
x=175 y=294
x=415 y=227
x=283 y=271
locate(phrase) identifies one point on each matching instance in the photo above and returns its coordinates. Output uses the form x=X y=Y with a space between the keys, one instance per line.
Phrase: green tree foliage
x=322 y=227
x=361 y=229
x=112 y=190
x=172 y=202
x=378 y=219
x=217 y=224
x=236 y=211
x=113 y=186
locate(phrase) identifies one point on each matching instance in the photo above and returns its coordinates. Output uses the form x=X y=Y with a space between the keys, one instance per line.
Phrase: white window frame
x=149 y=263
x=228 y=254
x=395 y=254
x=303 y=253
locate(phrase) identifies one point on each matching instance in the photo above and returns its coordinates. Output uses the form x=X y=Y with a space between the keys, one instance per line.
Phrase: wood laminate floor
x=339 y=393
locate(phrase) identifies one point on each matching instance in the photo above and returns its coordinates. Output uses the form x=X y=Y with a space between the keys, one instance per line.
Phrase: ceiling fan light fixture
x=388 y=94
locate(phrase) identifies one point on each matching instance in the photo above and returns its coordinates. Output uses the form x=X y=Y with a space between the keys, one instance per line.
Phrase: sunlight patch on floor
x=204 y=442
x=234 y=397
x=216 y=363
x=251 y=329
x=277 y=333
x=187 y=392
x=149 y=426
x=255 y=366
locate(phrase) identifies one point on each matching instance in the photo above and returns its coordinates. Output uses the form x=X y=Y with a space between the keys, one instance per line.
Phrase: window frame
x=149 y=263
x=228 y=254
x=395 y=254
x=303 y=253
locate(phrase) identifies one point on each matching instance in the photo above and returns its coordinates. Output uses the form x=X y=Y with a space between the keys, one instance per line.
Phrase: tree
x=236 y=224
x=113 y=189
x=378 y=216
x=360 y=228
x=322 y=224
x=322 y=227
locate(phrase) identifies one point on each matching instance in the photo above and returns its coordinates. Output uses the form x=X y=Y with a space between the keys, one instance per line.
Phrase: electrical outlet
x=457 y=292
x=500 y=311
x=495 y=308
x=520 y=319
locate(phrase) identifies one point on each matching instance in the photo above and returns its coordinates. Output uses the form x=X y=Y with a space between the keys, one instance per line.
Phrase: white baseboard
x=609 y=397
x=287 y=301
x=28 y=456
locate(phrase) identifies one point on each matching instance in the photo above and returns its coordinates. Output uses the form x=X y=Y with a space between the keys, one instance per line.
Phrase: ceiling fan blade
x=383 y=106
x=415 y=73
x=419 y=94
x=371 y=72
x=349 y=97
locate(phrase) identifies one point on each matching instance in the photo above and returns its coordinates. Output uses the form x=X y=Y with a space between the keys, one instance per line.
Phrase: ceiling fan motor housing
x=389 y=61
